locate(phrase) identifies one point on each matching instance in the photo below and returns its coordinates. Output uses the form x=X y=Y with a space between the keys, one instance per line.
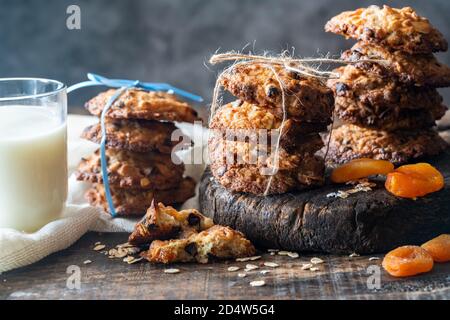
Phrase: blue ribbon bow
x=96 y=80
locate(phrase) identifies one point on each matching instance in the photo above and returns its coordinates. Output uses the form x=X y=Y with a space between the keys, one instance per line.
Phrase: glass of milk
x=33 y=152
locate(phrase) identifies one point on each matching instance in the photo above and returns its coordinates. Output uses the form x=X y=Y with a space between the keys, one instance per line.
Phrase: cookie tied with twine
x=291 y=87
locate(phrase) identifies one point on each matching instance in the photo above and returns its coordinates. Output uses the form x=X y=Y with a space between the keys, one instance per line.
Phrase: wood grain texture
x=365 y=222
x=340 y=277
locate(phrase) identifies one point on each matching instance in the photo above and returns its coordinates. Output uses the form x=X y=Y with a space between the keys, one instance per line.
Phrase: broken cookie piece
x=217 y=242
x=162 y=223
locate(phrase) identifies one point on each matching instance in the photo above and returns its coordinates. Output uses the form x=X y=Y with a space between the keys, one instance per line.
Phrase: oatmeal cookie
x=134 y=135
x=399 y=29
x=144 y=105
x=389 y=118
x=244 y=119
x=131 y=170
x=243 y=167
x=350 y=142
x=164 y=222
x=306 y=98
x=136 y=202
x=230 y=153
x=366 y=97
x=217 y=242
x=419 y=69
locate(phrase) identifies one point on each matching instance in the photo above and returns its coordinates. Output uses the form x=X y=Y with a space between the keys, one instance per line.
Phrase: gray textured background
x=169 y=40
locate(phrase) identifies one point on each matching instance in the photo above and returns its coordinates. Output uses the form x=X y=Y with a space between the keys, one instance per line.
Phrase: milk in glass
x=33 y=167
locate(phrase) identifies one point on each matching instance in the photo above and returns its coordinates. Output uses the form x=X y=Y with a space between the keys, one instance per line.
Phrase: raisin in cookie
x=306 y=98
x=136 y=202
x=141 y=104
x=217 y=242
x=351 y=142
x=419 y=69
x=131 y=170
x=164 y=222
x=134 y=135
x=399 y=29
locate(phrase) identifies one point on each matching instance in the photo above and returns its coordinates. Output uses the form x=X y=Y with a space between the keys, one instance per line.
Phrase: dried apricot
x=439 y=248
x=407 y=261
x=360 y=168
x=414 y=180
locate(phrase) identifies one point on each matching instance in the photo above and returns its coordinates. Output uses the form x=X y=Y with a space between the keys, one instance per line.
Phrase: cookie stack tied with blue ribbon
x=387 y=95
x=266 y=142
x=136 y=151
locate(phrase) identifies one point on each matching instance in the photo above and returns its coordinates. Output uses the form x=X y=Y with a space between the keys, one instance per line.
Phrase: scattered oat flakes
x=283 y=253
x=338 y=194
x=242 y=275
x=250 y=267
x=293 y=255
x=307 y=266
x=254 y=258
x=316 y=260
x=124 y=245
x=97 y=243
x=135 y=260
x=314 y=269
x=172 y=270
x=99 y=247
x=257 y=283
x=272 y=250
x=264 y=271
x=132 y=250
x=118 y=253
x=233 y=269
x=128 y=259
x=245 y=259
x=374 y=258
x=354 y=254
x=87 y=261
x=271 y=264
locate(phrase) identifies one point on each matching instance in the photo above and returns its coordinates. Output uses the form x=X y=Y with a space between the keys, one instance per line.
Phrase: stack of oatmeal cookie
x=243 y=154
x=388 y=105
x=141 y=167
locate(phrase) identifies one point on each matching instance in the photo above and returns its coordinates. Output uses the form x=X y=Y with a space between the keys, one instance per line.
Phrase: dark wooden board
x=365 y=222
x=340 y=277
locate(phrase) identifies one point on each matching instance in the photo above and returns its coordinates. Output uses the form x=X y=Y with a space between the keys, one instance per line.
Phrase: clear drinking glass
x=33 y=152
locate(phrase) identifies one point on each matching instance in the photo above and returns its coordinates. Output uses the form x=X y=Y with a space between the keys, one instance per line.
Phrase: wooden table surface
x=339 y=277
